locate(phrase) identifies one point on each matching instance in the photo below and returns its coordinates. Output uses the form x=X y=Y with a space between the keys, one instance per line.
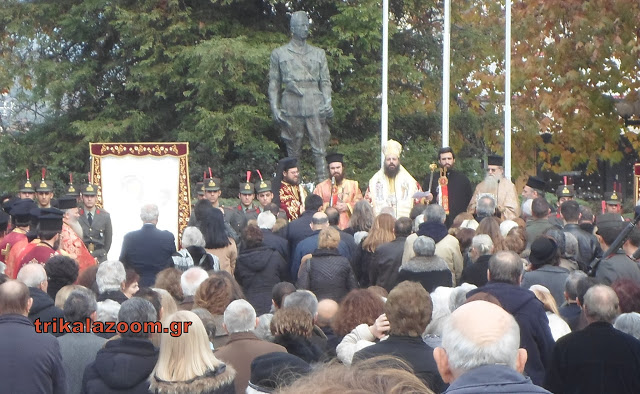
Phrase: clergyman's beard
x=391 y=172
x=338 y=178
x=490 y=184
x=75 y=226
x=291 y=181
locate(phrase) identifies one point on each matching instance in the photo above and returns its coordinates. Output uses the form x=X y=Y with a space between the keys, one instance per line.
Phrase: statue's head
x=300 y=25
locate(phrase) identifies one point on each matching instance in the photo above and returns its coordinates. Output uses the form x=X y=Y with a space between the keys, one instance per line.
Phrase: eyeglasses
x=492 y=169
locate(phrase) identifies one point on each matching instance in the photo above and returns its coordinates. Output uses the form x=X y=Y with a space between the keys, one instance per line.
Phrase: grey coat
x=551 y=277
x=78 y=351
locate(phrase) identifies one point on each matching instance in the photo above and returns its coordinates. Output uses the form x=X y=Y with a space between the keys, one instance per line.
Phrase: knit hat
x=542 y=251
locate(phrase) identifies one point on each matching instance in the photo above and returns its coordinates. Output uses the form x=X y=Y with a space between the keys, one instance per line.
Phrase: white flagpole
x=446 y=70
x=507 y=93
x=384 y=123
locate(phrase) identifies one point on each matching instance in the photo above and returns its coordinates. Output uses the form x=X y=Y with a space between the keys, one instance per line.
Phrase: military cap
x=44 y=186
x=536 y=183
x=212 y=185
x=246 y=188
x=288 y=163
x=67 y=202
x=495 y=160
x=335 y=158
x=609 y=220
x=50 y=219
x=613 y=198
x=200 y=188
x=27 y=187
x=72 y=191
x=263 y=186
x=89 y=190
x=565 y=191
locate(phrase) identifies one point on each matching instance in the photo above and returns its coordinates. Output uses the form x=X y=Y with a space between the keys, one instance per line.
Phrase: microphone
x=333 y=186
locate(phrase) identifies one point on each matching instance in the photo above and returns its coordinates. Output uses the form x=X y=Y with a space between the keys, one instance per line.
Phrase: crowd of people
x=405 y=288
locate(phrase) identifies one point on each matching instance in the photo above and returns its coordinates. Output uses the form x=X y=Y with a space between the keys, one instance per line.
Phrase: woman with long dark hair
x=216 y=240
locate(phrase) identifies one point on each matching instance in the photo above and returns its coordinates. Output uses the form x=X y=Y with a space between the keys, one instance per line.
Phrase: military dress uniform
x=96 y=227
x=239 y=215
x=263 y=186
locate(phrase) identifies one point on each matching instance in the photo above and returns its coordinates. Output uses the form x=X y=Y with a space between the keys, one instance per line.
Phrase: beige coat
x=507 y=200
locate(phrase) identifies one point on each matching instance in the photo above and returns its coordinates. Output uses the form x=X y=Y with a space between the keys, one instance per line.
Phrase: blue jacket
x=307 y=246
x=493 y=379
x=30 y=362
x=535 y=334
x=148 y=251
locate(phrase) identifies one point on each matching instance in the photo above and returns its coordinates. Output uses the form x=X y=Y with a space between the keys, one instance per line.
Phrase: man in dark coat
x=148 y=250
x=299 y=229
x=598 y=358
x=457 y=185
x=258 y=269
x=539 y=223
x=243 y=346
x=31 y=361
x=408 y=309
x=505 y=276
x=480 y=352
x=43 y=308
x=124 y=364
x=266 y=221
x=588 y=246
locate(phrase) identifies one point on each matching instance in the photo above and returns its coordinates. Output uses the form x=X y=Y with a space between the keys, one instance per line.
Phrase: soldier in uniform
x=264 y=196
x=95 y=223
x=44 y=192
x=564 y=193
x=212 y=193
x=27 y=190
x=300 y=93
x=613 y=202
x=338 y=192
x=49 y=228
x=246 y=208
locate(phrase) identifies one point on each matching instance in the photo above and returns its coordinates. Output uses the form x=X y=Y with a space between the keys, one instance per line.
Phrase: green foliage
x=196 y=71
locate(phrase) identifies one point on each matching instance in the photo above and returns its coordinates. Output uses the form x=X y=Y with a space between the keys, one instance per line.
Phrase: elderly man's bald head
x=14 y=298
x=319 y=221
x=327 y=309
x=479 y=333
